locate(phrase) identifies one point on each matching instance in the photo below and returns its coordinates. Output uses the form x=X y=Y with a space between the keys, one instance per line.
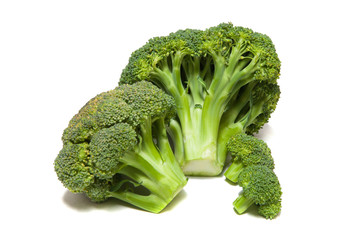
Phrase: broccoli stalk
x=149 y=166
x=233 y=171
x=117 y=146
x=241 y=203
x=223 y=81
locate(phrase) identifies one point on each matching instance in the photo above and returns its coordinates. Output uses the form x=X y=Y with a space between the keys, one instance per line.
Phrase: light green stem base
x=241 y=204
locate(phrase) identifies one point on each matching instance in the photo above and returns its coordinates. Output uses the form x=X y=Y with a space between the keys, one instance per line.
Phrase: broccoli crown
x=108 y=146
x=260 y=184
x=221 y=40
x=72 y=167
x=145 y=61
x=250 y=151
x=216 y=41
x=223 y=80
x=109 y=149
x=146 y=100
x=125 y=104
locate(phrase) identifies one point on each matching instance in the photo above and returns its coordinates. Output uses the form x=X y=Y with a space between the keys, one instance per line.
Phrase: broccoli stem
x=201 y=106
x=175 y=132
x=230 y=125
x=161 y=191
x=224 y=136
x=165 y=148
x=233 y=171
x=152 y=166
x=206 y=139
x=241 y=204
x=152 y=203
x=199 y=147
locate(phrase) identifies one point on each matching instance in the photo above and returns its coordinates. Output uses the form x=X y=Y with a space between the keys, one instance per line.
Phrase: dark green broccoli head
x=127 y=103
x=99 y=191
x=111 y=139
x=250 y=151
x=72 y=167
x=75 y=170
x=146 y=100
x=112 y=109
x=108 y=146
x=260 y=184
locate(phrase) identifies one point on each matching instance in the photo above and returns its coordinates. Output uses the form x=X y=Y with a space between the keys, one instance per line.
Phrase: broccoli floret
x=261 y=187
x=72 y=167
x=224 y=82
x=270 y=210
x=252 y=168
x=246 y=150
x=117 y=146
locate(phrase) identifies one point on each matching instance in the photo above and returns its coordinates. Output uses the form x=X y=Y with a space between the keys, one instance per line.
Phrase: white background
x=56 y=55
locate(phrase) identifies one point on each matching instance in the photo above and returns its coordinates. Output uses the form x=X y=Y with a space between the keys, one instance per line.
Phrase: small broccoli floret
x=252 y=168
x=247 y=150
x=261 y=187
x=270 y=210
x=117 y=146
x=224 y=82
x=108 y=146
x=72 y=167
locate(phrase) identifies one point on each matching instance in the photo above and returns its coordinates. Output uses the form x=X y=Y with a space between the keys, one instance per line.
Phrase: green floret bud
x=83 y=125
x=99 y=191
x=108 y=146
x=72 y=167
x=260 y=186
x=111 y=110
x=250 y=150
x=265 y=97
x=145 y=99
x=271 y=210
x=104 y=110
x=156 y=53
x=246 y=150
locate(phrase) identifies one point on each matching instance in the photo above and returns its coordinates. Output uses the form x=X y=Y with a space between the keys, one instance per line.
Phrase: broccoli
x=224 y=82
x=117 y=146
x=270 y=210
x=247 y=150
x=261 y=187
x=252 y=168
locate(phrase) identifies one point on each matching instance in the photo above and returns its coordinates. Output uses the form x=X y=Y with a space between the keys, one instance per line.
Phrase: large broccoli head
x=109 y=149
x=223 y=80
